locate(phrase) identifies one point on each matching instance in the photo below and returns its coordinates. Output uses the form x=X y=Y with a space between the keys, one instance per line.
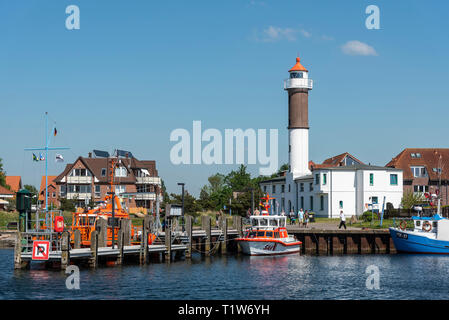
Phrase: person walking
x=306 y=218
x=300 y=217
x=292 y=217
x=342 y=220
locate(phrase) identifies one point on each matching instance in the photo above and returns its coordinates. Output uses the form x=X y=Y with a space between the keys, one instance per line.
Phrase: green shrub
x=367 y=216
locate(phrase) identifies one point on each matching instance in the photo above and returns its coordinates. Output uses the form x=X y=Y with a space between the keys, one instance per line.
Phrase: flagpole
x=46 y=162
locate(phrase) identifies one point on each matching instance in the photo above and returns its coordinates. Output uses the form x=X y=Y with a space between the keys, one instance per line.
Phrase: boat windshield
x=263 y=222
x=274 y=223
x=255 y=222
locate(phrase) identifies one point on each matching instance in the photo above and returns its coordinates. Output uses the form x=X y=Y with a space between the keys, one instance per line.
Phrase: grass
x=7 y=217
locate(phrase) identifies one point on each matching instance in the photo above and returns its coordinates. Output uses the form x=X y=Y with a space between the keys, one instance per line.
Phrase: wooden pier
x=169 y=244
x=329 y=242
x=172 y=244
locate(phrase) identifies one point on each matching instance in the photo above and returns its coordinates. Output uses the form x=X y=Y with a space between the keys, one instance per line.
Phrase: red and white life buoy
x=427 y=226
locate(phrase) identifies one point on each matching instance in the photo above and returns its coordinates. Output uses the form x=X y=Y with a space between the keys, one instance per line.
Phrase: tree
x=67 y=204
x=191 y=205
x=34 y=193
x=409 y=199
x=2 y=176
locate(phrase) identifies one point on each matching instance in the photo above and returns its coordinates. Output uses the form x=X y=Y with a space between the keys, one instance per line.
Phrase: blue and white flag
x=41 y=157
x=59 y=158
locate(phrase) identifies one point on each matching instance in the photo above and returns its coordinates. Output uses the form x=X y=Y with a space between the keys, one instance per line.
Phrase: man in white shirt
x=342 y=220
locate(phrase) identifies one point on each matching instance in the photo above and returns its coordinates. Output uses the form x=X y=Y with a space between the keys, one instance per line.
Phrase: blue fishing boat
x=429 y=235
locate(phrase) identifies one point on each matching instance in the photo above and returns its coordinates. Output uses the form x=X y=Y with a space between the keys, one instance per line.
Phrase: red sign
x=41 y=250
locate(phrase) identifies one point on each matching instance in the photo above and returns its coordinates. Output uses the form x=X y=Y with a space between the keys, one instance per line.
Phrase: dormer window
x=296 y=75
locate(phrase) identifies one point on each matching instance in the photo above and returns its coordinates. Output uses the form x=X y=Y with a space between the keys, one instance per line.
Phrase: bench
x=12 y=225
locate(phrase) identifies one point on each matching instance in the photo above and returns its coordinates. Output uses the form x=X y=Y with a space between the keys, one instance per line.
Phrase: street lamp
x=183 y=220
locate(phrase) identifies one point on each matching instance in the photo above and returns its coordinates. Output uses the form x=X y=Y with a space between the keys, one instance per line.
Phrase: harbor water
x=232 y=277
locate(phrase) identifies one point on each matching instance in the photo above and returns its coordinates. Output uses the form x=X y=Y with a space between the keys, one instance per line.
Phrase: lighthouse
x=298 y=86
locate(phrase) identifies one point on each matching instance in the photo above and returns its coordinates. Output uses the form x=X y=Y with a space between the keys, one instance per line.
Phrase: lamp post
x=182 y=197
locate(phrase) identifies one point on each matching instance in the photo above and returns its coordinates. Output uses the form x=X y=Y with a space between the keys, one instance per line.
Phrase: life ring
x=403 y=225
x=427 y=226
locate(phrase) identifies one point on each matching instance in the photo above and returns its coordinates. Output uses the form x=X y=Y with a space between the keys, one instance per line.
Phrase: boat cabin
x=268 y=222
x=436 y=225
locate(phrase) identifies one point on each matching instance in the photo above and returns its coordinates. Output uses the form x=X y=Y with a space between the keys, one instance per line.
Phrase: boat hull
x=412 y=243
x=265 y=248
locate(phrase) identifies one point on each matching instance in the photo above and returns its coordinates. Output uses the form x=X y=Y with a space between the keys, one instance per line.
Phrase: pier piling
x=224 y=226
x=208 y=240
x=102 y=233
x=93 y=261
x=168 y=242
x=189 y=228
x=77 y=239
x=65 y=250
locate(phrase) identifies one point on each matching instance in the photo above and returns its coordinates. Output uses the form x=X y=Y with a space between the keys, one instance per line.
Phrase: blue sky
x=136 y=70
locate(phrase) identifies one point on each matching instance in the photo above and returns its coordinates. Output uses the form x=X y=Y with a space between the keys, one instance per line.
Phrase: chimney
x=90 y=154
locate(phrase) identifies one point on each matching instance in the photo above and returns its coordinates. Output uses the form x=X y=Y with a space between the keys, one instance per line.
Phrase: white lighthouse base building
x=328 y=190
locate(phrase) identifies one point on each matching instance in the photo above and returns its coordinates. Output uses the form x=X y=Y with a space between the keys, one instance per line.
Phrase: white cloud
x=357 y=48
x=273 y=34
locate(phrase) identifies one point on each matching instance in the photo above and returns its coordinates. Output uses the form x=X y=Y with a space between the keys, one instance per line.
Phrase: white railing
x=145 y=196
x=298 y=83
x=79 y=179
x=77 y=195
x=148 y=180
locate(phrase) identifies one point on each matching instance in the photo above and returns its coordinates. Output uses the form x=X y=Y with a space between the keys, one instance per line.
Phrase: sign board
x=41 y=250
x=173 y=210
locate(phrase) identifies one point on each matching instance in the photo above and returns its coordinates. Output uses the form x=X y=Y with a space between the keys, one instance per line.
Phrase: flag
x=56 y=132
x=35 y=157
x=41 y=157
x=59 y=158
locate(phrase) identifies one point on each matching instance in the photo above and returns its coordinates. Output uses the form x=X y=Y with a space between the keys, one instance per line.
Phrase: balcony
x=299 y=83
x=145 y=196
x=72 y=179
x=79 y=196
x=148 y=180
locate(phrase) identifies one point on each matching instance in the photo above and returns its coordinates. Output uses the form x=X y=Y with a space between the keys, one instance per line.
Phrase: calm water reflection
x=239 y=277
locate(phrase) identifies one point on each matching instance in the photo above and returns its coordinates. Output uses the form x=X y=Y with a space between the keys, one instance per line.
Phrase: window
x=301 y=187
x=296 y=75
x=121 y=172
x=265 y=189
x=274 y=188
x=97 y=192
x=311 y=186
x=419 y=171
x=289 y=188
x=80 y=172
x=103 y=172
x=374 y=200
x=340 y=204
x=269 y=234
x=54 y=195
x=62 y=190
x=371 y=179
x=302 y=202
x=393 y=179
x=311 y=202
x=324 y=178
x=119 y=189
x=321 y=203
x=420 y=189
x=317 y=178
x=283 y=188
